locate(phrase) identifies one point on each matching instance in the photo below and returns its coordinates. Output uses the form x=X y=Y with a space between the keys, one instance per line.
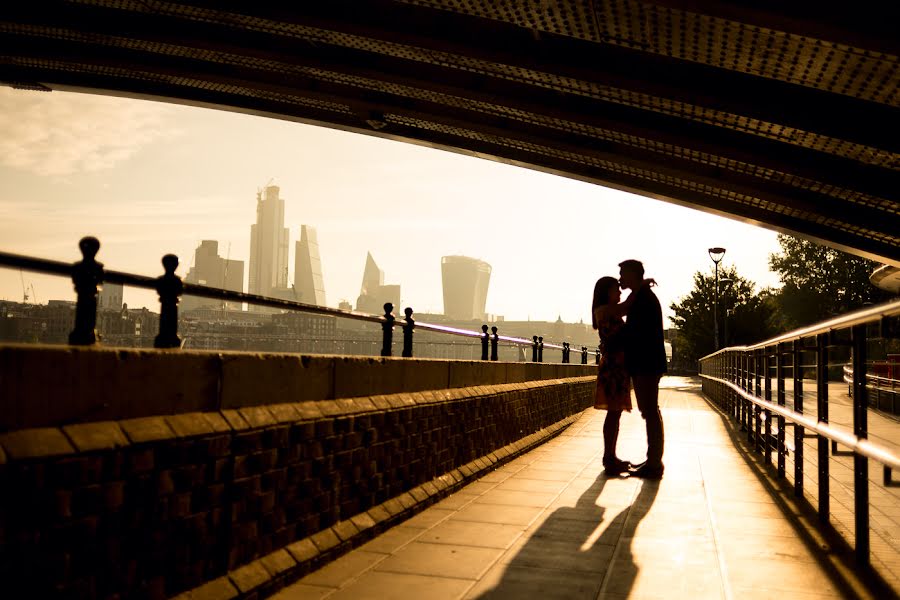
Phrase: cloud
x=60 y=133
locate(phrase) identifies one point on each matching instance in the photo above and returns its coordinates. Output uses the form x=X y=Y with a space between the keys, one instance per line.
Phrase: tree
x=745 y=316
x=820 y=282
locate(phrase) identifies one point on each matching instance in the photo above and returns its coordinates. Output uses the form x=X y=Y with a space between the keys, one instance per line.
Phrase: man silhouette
x=645 y=361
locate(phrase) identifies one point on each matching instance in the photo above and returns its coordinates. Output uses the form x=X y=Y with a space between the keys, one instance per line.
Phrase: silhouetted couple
x=632 y=357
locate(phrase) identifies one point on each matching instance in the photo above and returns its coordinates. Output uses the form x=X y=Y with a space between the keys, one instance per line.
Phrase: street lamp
x=716 y=255
x=728 y=311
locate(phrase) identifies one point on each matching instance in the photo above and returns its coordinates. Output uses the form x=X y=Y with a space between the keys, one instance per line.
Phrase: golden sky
x=149 y=178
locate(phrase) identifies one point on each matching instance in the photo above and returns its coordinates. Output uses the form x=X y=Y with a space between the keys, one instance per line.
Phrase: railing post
x=782 y=398
x=799 y=432
x=584 y=355
x=408 y=328
x=534 y=346
x=485 y=340
x=495 y=342
x=767 y=433
x=757 y=376
x=861 y=431
x=540 y=348
x=169 y=288
x=387 y=330
x=87 y=274
x=822 y=412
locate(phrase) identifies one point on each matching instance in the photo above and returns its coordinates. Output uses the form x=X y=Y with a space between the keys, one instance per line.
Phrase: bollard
x=534 y=349
x=584 y=355
x=485 y=339
x=169 y=288
x=387 y=330
x=87 y=274
x=598 y=354
x=564 y=353
x=495 y=340
x=540 y=348
x=408 y=333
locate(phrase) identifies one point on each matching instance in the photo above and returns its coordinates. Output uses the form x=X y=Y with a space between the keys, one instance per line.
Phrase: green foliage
x=820 y=282
x=745 y=316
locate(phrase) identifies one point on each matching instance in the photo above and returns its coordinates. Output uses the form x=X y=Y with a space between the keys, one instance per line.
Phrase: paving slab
x=551 y=525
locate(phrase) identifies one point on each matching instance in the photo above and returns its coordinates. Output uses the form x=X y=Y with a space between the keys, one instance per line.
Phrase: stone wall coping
x=44 y=442
x=52 y=386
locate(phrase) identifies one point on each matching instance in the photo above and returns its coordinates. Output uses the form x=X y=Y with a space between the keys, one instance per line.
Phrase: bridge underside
x=781 y=114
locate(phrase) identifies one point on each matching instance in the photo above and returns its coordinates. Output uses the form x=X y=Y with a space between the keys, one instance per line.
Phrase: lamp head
x=716 y=254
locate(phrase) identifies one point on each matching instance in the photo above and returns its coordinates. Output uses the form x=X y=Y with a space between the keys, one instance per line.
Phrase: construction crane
x=25 y=289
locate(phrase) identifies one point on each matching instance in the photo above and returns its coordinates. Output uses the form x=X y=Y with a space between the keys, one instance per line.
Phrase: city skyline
x=72 y=161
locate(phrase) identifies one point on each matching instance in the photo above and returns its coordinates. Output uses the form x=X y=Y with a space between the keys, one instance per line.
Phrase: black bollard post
x=408 y=333
x=565 y=352
x=584 y=355
x=485 y=340
x=387 y=330
x=495 y=340
x=169 y=288
x=534 y=349
x=598 y=354
x=87 y=274
x=540 y=348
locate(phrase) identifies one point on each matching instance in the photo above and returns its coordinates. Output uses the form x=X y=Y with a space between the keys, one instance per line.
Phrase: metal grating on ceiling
x=761 y=114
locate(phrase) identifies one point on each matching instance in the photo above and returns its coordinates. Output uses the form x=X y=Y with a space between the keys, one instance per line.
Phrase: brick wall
x=148 y=507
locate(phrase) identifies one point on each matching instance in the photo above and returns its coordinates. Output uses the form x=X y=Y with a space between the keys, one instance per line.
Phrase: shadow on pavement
x=576 y=548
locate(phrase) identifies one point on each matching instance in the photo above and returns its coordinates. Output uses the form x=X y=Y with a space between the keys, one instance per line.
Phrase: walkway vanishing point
x=551 y=525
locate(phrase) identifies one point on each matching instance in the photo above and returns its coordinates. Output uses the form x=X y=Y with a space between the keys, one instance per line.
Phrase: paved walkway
x=551 y=525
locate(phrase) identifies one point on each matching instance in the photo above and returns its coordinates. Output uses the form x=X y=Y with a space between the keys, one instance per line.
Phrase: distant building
x=110 y=297
x=374 y=294
x=212 y=270
x=308 y=268
x=465 y=282
x=344 y=305
x=268 y=244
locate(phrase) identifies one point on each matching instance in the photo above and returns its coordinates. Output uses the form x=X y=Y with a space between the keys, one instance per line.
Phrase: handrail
x=861 y=446
x=858 y=317
x=54 y=267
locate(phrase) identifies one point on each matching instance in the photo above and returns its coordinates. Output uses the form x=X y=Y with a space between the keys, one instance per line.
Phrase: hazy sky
x=150 y=178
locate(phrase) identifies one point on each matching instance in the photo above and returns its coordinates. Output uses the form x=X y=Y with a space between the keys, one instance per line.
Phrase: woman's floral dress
x=613 y=383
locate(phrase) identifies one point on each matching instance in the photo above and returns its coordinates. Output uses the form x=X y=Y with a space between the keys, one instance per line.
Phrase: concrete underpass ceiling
x=777 y=113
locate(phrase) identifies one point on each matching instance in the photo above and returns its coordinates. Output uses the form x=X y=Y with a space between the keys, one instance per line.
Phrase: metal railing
x=88 y=274
x=739 y=380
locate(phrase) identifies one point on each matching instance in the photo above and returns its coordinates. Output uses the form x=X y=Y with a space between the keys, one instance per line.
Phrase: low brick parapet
x=236 y=497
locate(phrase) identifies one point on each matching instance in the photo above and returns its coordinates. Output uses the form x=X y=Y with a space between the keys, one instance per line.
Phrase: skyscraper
x=373 y=294
x=268 y=244
x=213 y=270
x=110 y=297
x=308 y=268
x=466 y=283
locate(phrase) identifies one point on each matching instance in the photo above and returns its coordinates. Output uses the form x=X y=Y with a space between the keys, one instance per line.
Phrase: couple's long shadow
x=566 y=557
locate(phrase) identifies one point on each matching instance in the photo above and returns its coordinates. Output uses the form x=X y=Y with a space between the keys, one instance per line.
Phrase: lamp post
x=716 y=255
x=727 y=311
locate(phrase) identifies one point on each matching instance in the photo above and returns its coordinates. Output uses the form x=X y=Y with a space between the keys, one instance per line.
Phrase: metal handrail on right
x=739 y=380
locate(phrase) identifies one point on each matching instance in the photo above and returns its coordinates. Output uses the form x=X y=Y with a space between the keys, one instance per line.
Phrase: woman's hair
x=601 y=296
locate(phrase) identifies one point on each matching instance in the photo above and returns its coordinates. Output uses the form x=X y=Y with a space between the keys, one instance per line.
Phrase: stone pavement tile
x=515 y=484
x=663 y=575
x=470 y=533
x=573 y=467
x=456 y=501
x=496 y=513
x=504 y=582
x=342 y=570
x=786 y=576
x=301 y=591
x=566 y=555
x=741 y=525
x=440 y=560
x=479 y=487
x=750 y=509
x=428 y=518
x=515 y=498
x=399 y=586
x=604 y=528
x=496 y=477
x=741 y=548
x=544 y=474
x=392 y=539
x=754 y=593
